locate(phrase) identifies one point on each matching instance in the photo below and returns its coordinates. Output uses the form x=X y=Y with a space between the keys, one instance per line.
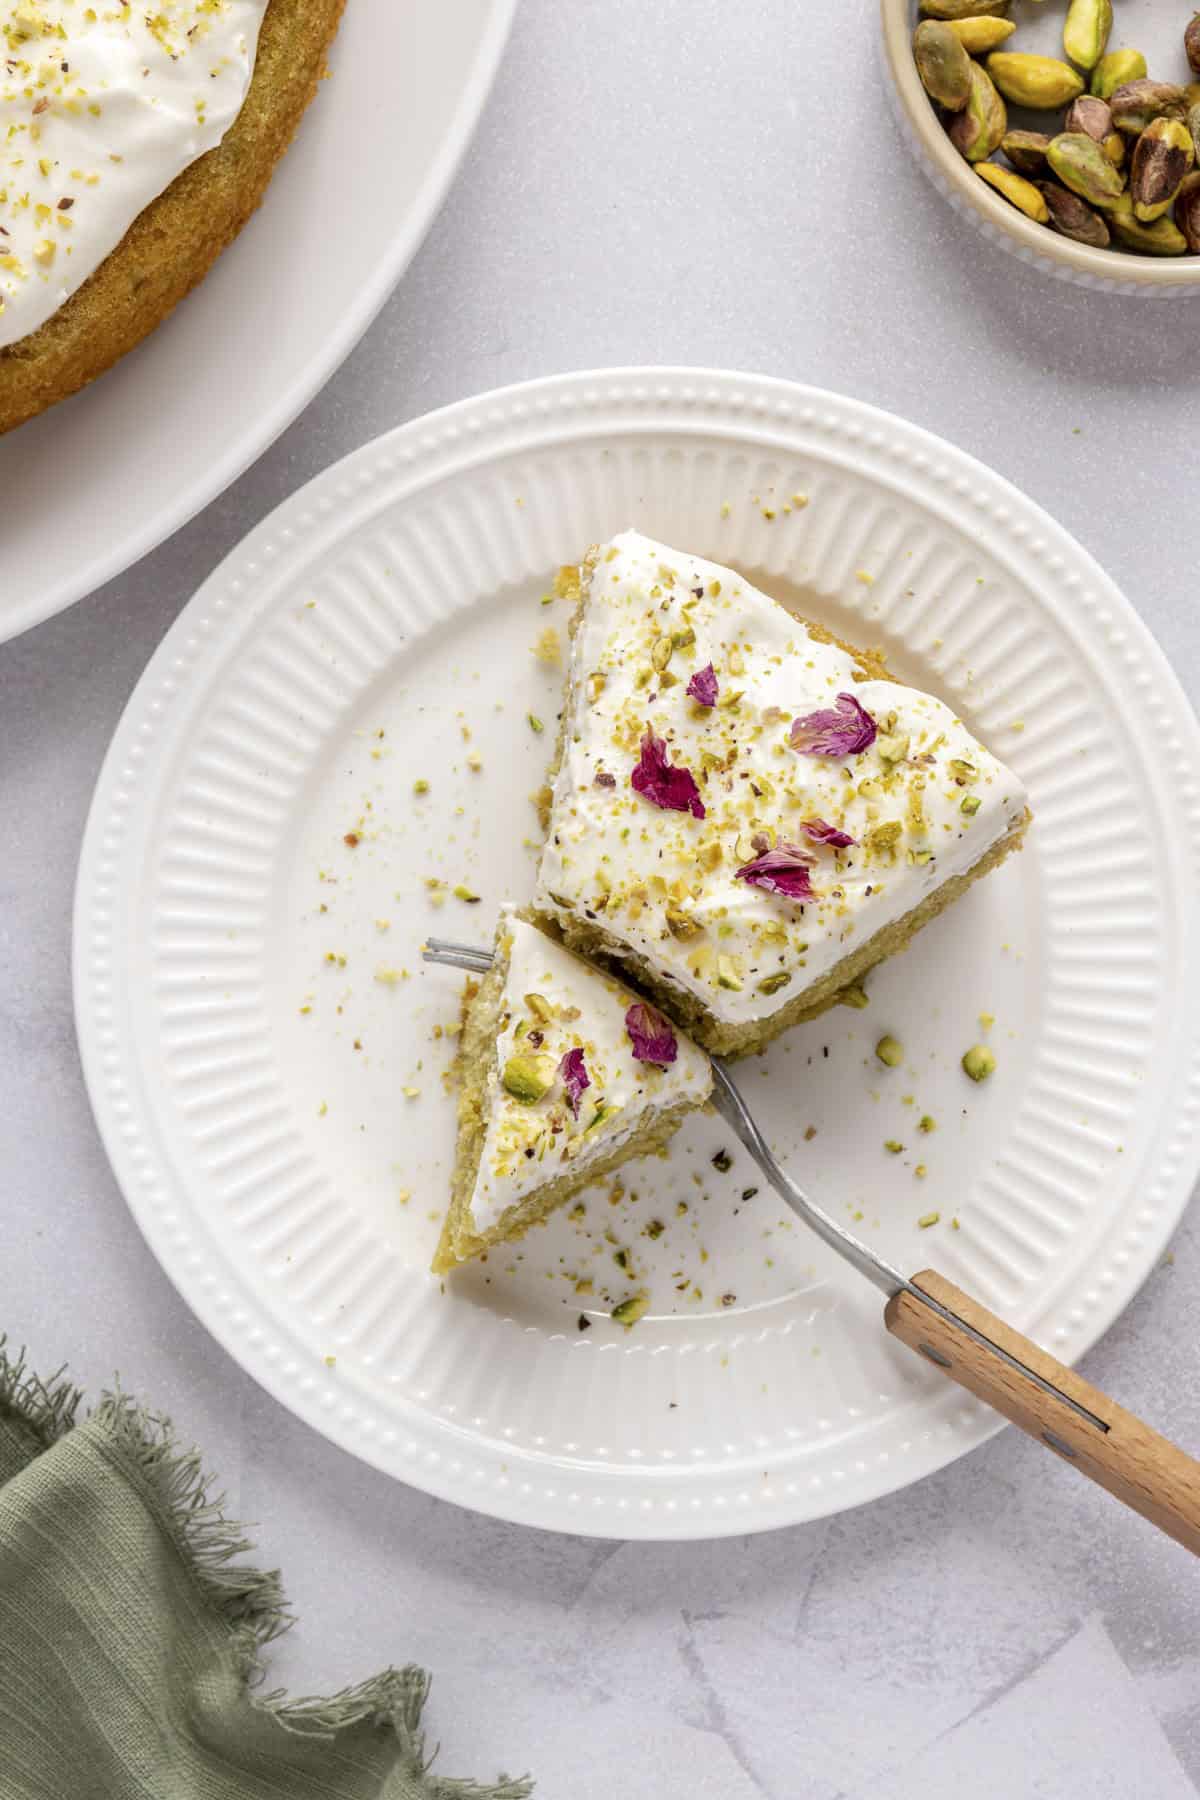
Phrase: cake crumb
x=548 y=647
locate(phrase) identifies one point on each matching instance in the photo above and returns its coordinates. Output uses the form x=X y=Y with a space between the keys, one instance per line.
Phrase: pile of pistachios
x=1120 y=170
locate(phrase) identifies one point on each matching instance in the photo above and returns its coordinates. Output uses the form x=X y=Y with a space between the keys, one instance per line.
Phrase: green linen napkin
x=131 y=1638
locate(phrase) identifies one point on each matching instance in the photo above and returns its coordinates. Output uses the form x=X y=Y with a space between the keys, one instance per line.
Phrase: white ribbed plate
x=247 y=1068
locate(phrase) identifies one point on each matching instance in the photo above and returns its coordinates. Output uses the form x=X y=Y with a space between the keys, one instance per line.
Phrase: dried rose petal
x=821 y=833
x=672 y=788
x=703 y=686
x=652 y=1036
x=783 y=870
x=842 y=730
x=575 y=1078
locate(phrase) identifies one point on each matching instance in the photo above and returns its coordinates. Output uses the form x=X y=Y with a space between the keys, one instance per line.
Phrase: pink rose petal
x=575 y=1078
x=703 y=686
x=842 y=730
x=821 y=833
x=672 y=788
x=652 y=1036
x=783 y=870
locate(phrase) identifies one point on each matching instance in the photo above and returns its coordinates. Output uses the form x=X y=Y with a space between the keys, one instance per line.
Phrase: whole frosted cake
x=134 y=144
x=747 y=814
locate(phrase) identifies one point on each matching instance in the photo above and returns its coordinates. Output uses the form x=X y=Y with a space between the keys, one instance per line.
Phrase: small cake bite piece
x=565 y=1074
x=746 y=813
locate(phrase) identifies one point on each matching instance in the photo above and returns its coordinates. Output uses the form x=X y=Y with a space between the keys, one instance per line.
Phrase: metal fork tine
x=456 y=956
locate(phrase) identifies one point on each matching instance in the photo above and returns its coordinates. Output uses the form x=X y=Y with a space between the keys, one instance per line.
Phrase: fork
x=974 y=1348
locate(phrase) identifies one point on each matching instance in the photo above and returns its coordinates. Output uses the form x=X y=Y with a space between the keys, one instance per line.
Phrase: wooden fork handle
x=1121 y=1453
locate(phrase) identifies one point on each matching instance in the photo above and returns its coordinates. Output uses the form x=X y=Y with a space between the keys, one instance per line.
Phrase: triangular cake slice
x=565 y=1074
x=746 y=813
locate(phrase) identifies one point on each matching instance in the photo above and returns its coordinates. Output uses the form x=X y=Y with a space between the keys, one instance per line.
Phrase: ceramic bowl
x=1039 y=28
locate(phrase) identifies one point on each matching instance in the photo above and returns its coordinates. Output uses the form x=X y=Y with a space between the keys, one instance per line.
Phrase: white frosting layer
x=663 y=883
x=101 y=107
x=573 y=1006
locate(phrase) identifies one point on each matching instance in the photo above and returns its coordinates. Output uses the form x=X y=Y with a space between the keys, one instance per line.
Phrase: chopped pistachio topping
x=529 y=1078
x=979 y=1062
x=890 y=1052
x=727 y=974
x=630 y=1311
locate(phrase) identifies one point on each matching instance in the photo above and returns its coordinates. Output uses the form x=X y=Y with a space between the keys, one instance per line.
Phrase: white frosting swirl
x=101 y=107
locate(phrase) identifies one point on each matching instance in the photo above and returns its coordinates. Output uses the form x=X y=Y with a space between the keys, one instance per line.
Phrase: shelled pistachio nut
x=1039 y=82
x=1089 y=115
x=1114 y=148
x=1026 y=150
x=1115 y=70
x=1191 y=93
x=1193 y=125
x=979 y=35
x=976 y=131
x=1081 y=165
x=942 y=64
x=1187 y=211
x=964 y=9
x=1020 y=193
x=1073 y=217
x=1085 y=33
x=1191 y=42
x=1163 y=155
x=1136 y=103
x=1162 y=238
x=529 y=1078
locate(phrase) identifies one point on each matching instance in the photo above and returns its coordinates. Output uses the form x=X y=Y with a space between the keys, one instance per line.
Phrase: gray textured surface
x=666 y=184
